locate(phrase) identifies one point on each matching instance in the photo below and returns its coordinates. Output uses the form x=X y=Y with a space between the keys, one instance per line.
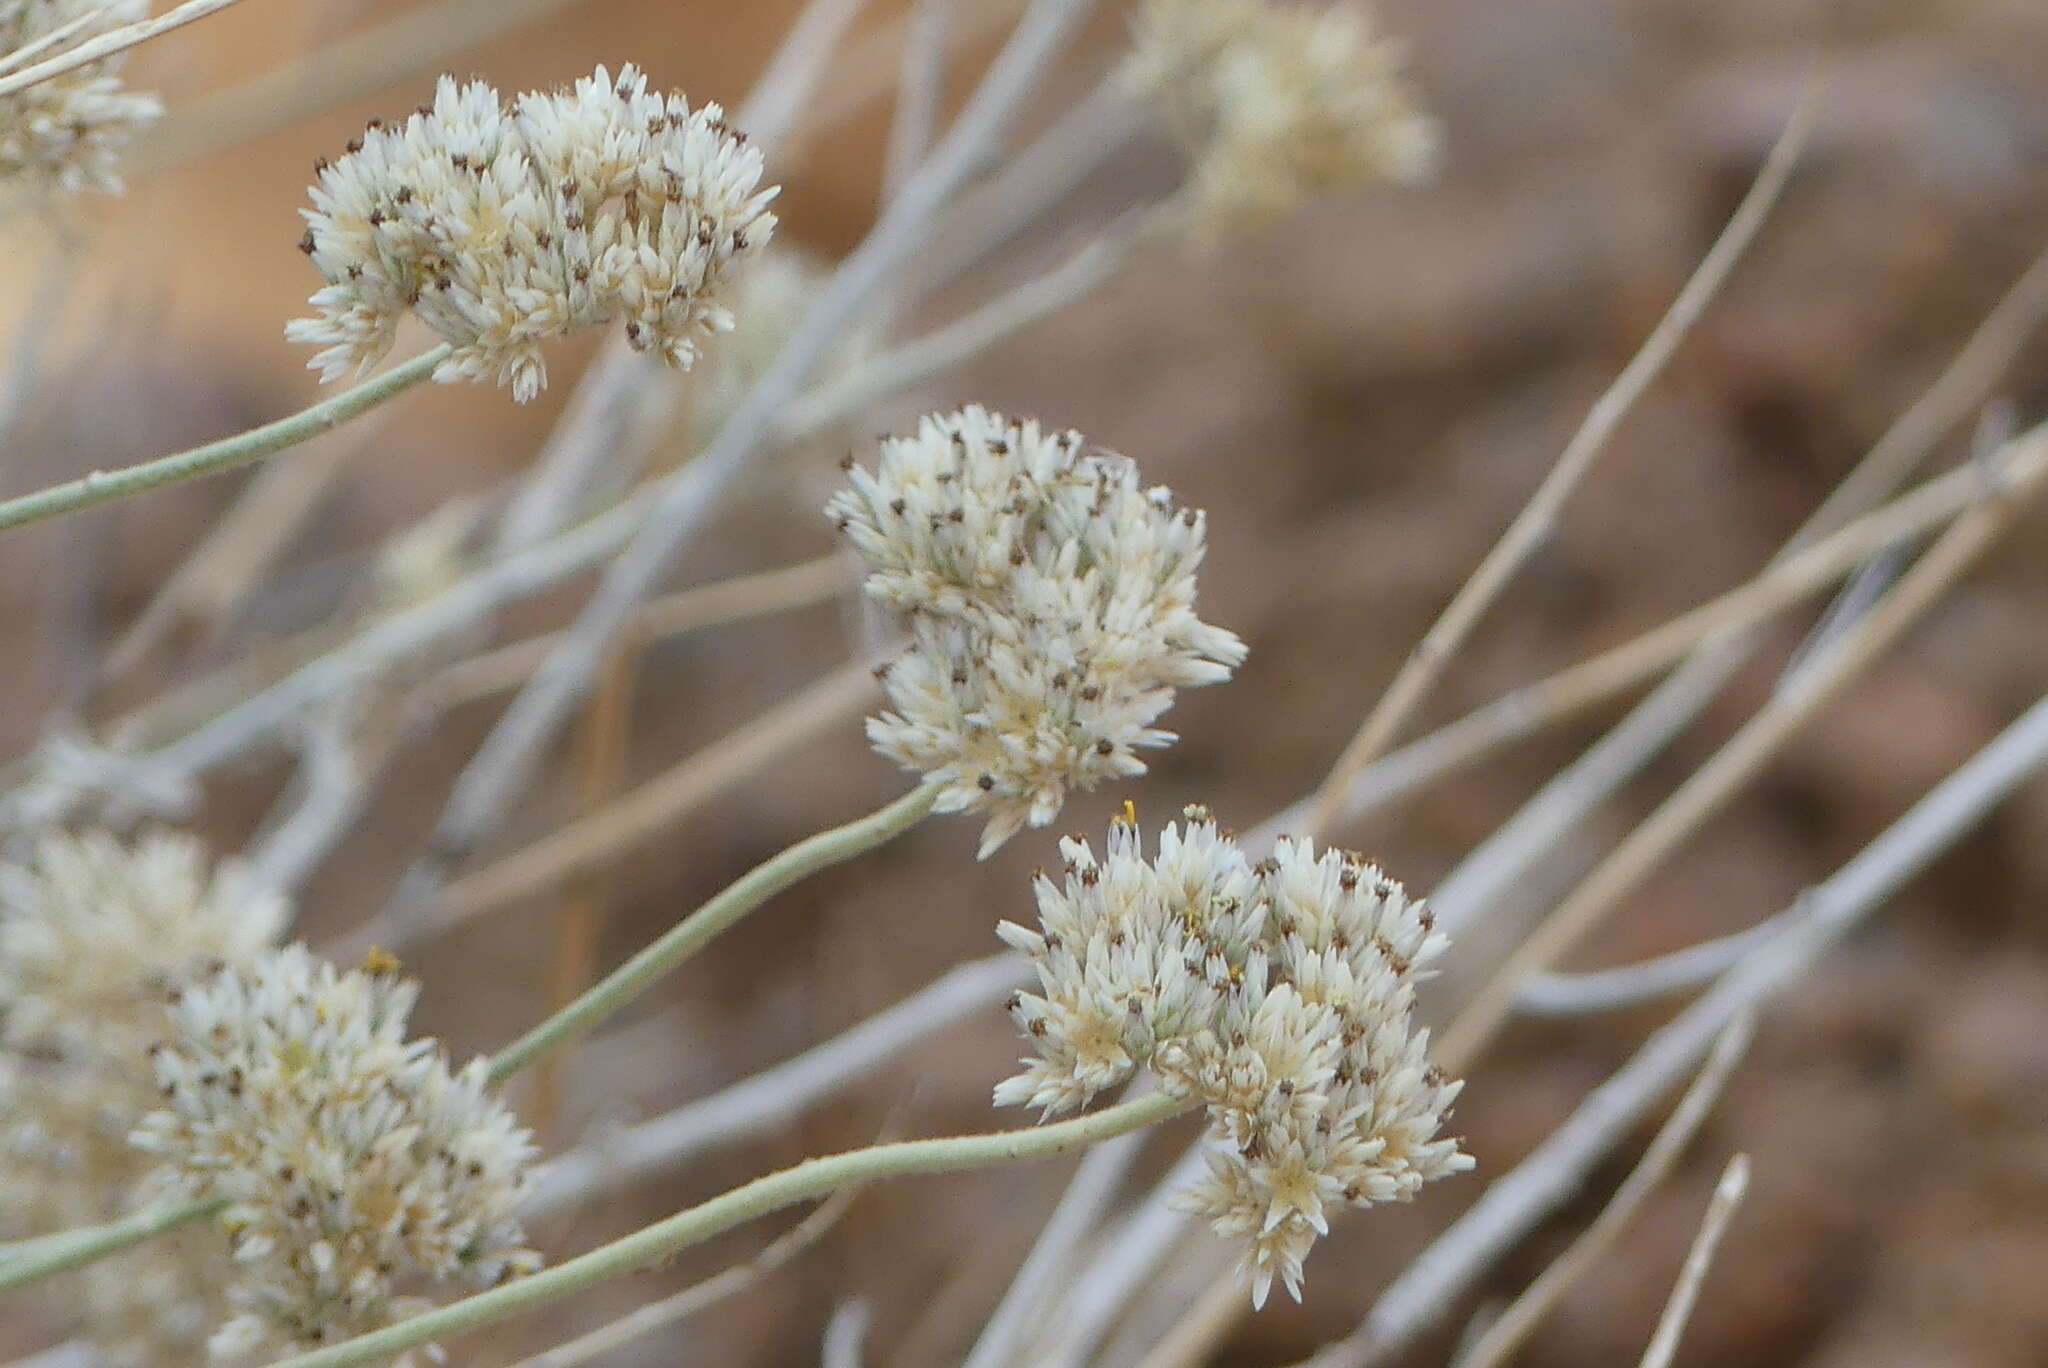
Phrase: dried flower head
x=501 y=226
x=354 y=1160
x=1051 y=605
x=94 y=935
x=1277 y=104
x=67 y=133
x=1279 y=996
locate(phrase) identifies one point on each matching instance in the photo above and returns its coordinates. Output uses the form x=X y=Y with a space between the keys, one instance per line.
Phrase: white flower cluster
x=94 y=935
x=1278 y=995
x=353 y=1159
x=1051 y=605
x=501 y=226
x=1277 y=104
x=67 y=133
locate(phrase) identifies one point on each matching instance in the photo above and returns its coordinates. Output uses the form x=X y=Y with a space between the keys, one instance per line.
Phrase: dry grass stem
x=1728 y=1194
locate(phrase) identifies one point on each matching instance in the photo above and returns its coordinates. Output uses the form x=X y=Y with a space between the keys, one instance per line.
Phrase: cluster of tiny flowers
x=1278 y=995
x=354 y=1161
x=501 y=226
x=1278 y=104
x=94 y=936
x=67 y=133
x=1051 y=605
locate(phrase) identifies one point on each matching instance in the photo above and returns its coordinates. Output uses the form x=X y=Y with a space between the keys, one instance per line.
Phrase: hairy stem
x=807 y=1181
x=694 y=932
x=105 y=486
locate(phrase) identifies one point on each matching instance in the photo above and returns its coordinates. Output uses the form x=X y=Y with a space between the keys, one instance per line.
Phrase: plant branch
x=1728 y=1195
x=697 y=930
x=103 y=486
x=811 y=1179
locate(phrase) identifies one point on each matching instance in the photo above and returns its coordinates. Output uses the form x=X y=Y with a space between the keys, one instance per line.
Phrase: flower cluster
x=353 y=1159
x=67 y=133
x=94 y=935
x=501 y=226
x=1051 y=605
x=1277 y=995
x=1277 y=104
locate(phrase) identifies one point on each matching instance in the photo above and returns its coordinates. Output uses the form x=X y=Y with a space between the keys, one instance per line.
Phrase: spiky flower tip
x=1277 y=104
x=502 y=225
x=94 y=935
x=354 y=1160
x=1278 y=995
x=1051 y=604
x=67 y=133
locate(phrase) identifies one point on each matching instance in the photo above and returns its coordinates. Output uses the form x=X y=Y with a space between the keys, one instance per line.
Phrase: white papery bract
x=1277 y=104
x=1279 y=996
x=500 y=226
x=94 y=935
x=1050 y=599
x=67 y=133
x=354 y=1161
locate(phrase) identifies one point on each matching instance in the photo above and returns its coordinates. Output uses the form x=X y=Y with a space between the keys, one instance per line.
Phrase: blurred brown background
x=1362 y=398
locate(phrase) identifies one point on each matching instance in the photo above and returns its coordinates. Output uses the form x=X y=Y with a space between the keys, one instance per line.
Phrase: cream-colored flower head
x=1279 y=996
x=1277 y=104
x=1051 y=605
x=500 y=226
x=94 y=936
x=67 y=133
x=354 y=1160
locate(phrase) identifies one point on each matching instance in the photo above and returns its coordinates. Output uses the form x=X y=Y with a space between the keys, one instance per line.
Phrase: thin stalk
x=27 y=1261
x=694 y=932
x=1425 y=665
x=805 y=1182
x=103 y=486
x=1728 y=1195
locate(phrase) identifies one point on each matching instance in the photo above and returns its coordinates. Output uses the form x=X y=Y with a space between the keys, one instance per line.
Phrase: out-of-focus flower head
x=67 y=133
x=353 y=1159
x=1277 y=104
x=95 y=934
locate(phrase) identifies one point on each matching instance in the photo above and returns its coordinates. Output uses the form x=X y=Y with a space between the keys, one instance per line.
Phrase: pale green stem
x=807 y=1181
x=26 y=1261
x=104 y=486
x=694 y=932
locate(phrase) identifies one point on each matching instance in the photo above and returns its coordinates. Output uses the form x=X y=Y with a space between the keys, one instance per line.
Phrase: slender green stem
x=807 y=1181
x=26 y=1261
x=104 y=486
x=694 y=932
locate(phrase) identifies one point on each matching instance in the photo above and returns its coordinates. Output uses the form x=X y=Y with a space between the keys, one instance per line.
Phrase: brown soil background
x=1362 y=398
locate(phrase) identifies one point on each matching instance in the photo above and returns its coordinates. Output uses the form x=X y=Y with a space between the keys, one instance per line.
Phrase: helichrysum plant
x=500 y=225
x=95 y=935
x=356 y=1163
x=1277 y=104
x=1050 y=599
x=67 y=133
x=1277 y=995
